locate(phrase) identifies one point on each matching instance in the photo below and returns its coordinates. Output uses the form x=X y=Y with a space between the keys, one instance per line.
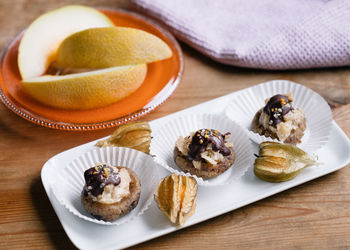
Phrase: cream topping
x=209 y=155
x=111 y=193
x=292 y=120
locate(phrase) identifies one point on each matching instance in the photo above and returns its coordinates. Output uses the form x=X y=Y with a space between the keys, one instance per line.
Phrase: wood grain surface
x=315 y=215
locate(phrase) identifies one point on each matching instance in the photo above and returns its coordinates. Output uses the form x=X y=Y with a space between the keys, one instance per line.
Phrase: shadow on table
x=48 y=217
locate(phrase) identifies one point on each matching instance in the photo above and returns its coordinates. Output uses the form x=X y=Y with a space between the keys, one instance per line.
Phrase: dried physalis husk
x=281 y=162
x=136 y=135
x=176 y=197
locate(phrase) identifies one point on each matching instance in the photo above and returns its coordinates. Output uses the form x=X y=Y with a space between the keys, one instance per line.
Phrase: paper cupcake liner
x=70 y=180
x=164 y=139
x=244 y=106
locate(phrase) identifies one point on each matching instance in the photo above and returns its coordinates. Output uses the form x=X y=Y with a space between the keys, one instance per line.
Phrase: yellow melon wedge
x=110 y=47
x=86 y=90
x=41 y=40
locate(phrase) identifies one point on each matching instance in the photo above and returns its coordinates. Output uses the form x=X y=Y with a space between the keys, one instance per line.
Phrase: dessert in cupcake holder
x=110 y=192
x=205 y=153
x=283 y=111
x=108 y=185
x=211 y=148
x=279 y=120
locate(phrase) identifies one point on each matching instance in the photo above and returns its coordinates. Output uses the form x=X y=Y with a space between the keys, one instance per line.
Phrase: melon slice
x=41 y=40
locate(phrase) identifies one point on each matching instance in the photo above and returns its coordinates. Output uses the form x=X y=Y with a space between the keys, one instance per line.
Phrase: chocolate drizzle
x=96 y=178
x=277 y=107
x=202 y=138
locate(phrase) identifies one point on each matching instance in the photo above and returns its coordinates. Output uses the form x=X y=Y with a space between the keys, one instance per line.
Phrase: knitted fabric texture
x=266 y=34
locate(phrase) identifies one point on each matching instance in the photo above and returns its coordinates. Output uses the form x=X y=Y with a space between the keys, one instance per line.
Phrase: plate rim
x=155 y=101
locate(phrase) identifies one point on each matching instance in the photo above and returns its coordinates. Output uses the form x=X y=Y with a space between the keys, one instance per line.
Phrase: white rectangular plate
x=86 y=235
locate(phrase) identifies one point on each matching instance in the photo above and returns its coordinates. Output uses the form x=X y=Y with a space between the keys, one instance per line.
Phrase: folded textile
x=266 y=34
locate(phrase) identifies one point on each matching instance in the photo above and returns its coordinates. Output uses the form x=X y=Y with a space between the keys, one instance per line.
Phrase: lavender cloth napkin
x=266 y=34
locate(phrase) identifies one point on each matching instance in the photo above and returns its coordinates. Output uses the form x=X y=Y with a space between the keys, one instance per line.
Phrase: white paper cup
x=70 y=179
x=164 y=139
x=244 y=106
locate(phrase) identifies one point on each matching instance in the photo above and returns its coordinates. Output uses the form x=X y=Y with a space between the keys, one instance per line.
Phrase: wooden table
x=313 y=215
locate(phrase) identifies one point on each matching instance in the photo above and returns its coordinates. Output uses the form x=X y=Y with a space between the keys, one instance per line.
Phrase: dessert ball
x=205 y=153
x=110 y=192
x=279 y=120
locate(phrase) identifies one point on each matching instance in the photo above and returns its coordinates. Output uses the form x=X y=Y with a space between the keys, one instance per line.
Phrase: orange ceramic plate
x=161 y=80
